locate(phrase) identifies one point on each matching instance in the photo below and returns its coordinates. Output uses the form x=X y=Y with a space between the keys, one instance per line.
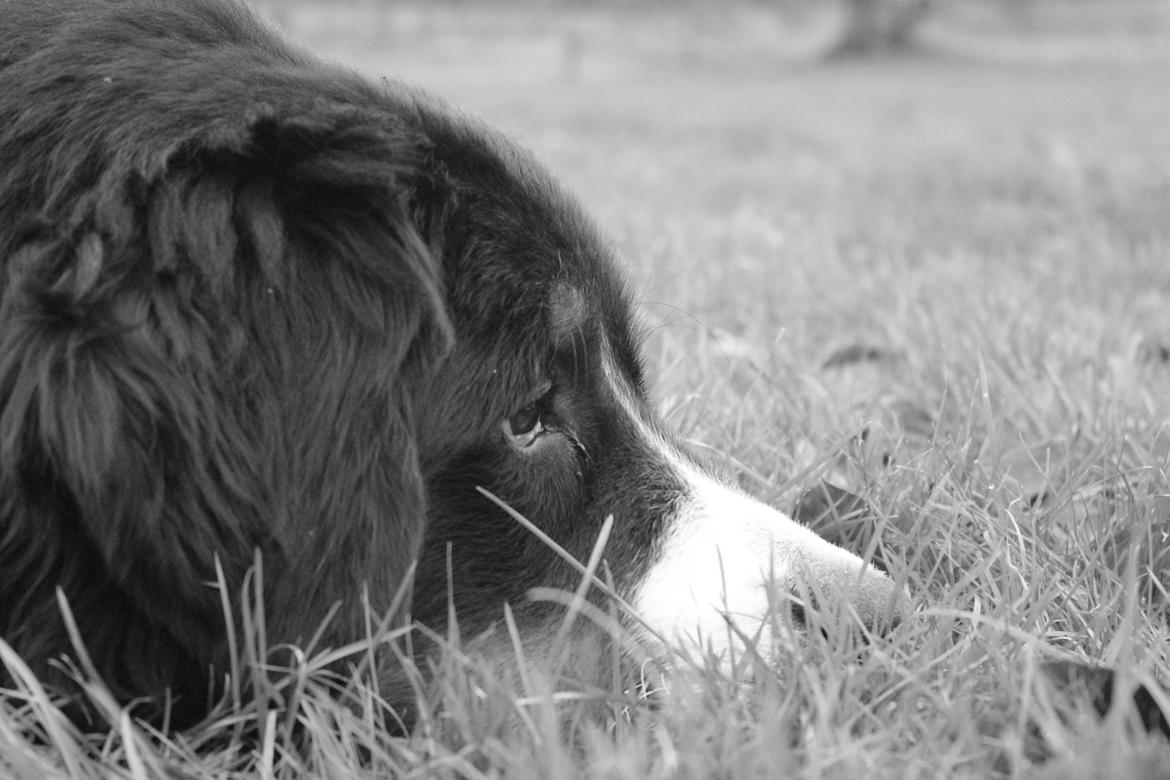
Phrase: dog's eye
x=527 y=424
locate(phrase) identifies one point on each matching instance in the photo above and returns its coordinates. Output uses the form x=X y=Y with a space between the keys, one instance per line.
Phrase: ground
x=941 y=282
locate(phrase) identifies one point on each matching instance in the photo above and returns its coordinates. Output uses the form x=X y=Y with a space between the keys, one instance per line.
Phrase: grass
x=968 y=263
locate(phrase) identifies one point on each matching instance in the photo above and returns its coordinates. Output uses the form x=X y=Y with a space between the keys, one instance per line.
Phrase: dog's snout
x=878 y=603
x=723 y=554
x=847 y=595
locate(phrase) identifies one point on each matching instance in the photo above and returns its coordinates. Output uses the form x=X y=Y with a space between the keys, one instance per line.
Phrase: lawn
x=940 y=282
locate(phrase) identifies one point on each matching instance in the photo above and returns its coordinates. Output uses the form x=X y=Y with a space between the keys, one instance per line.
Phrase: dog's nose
x=831 y=594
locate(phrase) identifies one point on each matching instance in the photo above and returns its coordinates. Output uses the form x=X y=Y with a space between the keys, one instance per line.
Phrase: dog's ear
x=208 y=350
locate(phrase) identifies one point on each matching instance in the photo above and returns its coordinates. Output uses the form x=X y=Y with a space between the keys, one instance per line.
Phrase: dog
x=256 y=307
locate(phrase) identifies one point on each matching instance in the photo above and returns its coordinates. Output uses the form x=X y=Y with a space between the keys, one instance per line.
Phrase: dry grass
x=994 y=242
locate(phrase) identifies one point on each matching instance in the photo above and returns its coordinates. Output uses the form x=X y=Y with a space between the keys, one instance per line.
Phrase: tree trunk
x=819 y=29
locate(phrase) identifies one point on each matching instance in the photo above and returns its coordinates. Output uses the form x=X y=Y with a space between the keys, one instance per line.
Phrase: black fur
x=251 y=302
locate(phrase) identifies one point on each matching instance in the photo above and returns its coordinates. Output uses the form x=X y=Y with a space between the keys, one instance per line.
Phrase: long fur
x=211 y=312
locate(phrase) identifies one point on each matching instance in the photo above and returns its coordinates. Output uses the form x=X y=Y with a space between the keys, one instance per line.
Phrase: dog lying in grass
x=254 y=307
x=257 y=307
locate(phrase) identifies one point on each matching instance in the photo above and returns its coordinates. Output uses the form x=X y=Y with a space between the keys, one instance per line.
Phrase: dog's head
x=542 y=402
x=252 y=302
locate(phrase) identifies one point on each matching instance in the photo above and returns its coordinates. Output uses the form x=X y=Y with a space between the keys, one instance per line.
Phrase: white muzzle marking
x=709 y=583
x=709 y=586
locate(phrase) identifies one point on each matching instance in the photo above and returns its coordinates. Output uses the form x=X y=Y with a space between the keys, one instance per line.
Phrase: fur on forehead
x=567 y=313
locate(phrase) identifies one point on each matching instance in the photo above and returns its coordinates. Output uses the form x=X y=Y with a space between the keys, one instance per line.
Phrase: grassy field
x=940 y=282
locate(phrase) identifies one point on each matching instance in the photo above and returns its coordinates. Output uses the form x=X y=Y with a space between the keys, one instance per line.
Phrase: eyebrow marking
x=567 y=315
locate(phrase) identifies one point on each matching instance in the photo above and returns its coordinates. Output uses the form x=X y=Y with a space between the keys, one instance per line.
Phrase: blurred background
x=588 y=39
x=803 y=84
